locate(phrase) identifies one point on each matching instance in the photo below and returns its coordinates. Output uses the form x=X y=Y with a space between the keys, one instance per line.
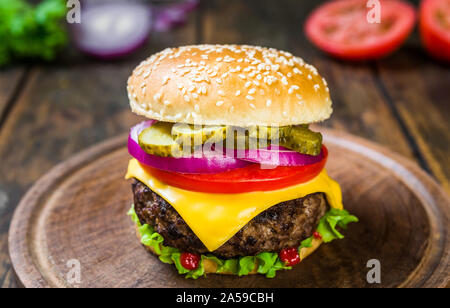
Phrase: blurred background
x=63 y=86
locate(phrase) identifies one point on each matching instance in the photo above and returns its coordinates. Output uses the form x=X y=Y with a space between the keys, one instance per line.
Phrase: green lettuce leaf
x=166 y=254
x=269 y=263
x=133 y=215
x=211 y=257
x=150 y=238
x=279 y=265
x=246 y=265
x=266 y=260
x=177 y=261
x=332 y=219
x=306 y=243
x=229 y=266
x=198 y=272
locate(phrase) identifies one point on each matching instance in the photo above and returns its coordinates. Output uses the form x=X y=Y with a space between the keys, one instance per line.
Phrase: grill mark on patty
x=283 y=225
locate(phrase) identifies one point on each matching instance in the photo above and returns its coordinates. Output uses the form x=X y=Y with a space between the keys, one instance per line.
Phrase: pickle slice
x=269 y=132
x=198 y=135
x=301 y=139
x=157 y=140
x=272 y=132
x=239 y=138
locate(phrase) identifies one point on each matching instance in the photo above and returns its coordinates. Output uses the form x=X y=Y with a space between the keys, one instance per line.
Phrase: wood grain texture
x=77 y=211
x=9 y=81
x=61 y=110
x=421 y=96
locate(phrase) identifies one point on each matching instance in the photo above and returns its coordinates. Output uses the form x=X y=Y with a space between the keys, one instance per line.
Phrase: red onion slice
x=112 y=29
x=209 y=164
x=278 y=156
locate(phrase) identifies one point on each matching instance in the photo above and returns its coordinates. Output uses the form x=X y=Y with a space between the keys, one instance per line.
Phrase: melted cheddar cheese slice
x=215 y=218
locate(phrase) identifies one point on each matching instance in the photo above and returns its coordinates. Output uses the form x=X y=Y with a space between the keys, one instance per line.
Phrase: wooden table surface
x=49 y=112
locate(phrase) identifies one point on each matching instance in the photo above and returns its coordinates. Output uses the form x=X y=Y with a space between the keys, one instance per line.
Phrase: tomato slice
x=247 y=179
x=434 y=24
x=341 y=28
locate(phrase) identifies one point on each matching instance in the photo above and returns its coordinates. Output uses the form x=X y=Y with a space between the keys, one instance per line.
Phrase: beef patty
x=283 y=225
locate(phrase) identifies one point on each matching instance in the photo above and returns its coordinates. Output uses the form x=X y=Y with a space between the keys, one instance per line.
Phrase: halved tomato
x=434 y=23
x=247 y=179
x=342 y=28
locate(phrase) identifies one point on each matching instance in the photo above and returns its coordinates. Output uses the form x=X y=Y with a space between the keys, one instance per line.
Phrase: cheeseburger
x=226 y=174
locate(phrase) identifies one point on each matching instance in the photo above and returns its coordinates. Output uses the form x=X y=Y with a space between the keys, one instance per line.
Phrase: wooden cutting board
x=76 y=216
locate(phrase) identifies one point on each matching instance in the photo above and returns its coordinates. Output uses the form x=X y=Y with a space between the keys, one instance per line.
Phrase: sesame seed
x=197 y=108
x=268 y=103
x=242 y=76
x=157 y=96
x=309 y=77
x=166 y=103
x=316 y=87
x=248 y=84
x=252 y=91
x=249 y=97
x=293 y=88
x=221 y=93
x=187 y=99
x=219 y=103
x=253 y=106
x=238 y=92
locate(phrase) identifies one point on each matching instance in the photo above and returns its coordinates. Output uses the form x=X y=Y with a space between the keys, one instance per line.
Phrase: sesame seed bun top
x=229 y=85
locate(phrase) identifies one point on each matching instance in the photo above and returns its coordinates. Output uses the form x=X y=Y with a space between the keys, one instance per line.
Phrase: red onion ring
x=278 y=156
x=209 y=164
x=112 y=30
